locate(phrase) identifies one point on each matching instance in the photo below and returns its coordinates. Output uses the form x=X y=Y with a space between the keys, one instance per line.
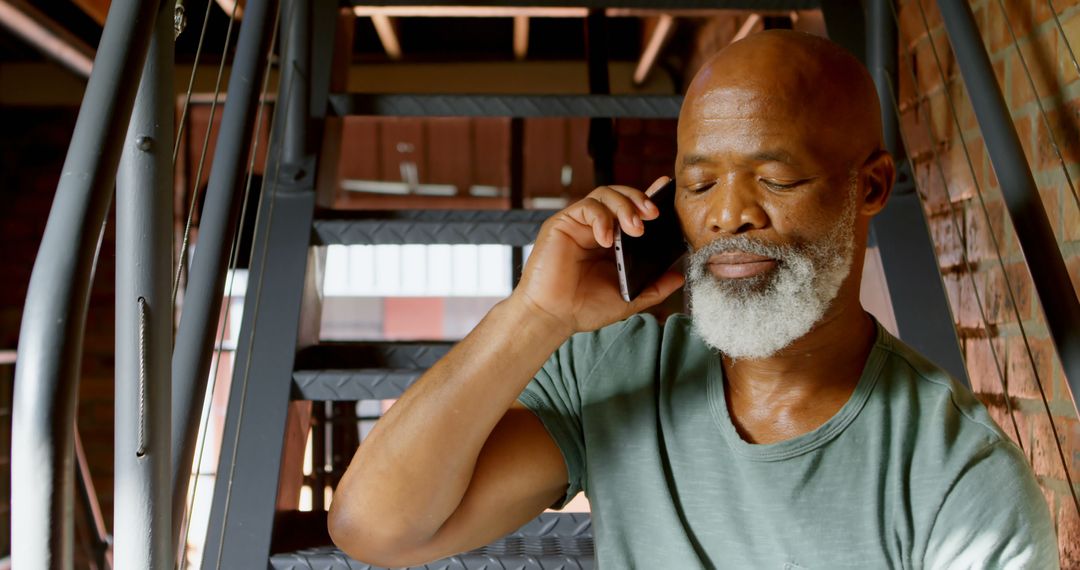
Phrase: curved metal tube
x=50 y=338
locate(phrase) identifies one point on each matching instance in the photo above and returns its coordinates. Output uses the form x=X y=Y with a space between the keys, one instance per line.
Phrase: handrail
x=54 y=316
x=144 y=316
x=206 y=280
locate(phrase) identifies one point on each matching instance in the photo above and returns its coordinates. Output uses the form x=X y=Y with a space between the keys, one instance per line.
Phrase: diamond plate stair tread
x=399 y=227
x=447 y=105
x=362 y=371
x=553 y=541
x=757 y=5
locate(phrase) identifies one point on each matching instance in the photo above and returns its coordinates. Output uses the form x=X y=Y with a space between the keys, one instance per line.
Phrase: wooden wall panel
x=449 y=152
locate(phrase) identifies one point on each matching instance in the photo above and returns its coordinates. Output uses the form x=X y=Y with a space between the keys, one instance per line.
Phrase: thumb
x=667 y=284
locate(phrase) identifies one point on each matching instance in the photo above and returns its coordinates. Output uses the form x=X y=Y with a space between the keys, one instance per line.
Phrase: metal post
x=144 y=324
x=50 y=338
x=1041 y=250
x=601 y=129
x=243 y=510
x=899 y=231
x=206 y=282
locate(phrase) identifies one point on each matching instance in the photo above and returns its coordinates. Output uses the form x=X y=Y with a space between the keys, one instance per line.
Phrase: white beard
x=756 y=317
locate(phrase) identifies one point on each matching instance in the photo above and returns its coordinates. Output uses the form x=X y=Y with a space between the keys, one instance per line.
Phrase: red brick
x=952 y=291
x=917 y=138
x=1023 y=132
x=1072 y=262
x=912 y=27
x=929 y=70
x=1001 y=417
x=981 y=235
x=1040 y=55
x=1019 y=15
x=1052 y=204
x=995 y=296
x=968 y=313
x=946 y=240
x=1020 y=280
x=1069 y=533
x=1070 y=211
x=1066 y=64
x=958 y=171
x=1065 y=125
x=929 y=187
x=1022 y=380
x=985 y=375
x=1045 y=459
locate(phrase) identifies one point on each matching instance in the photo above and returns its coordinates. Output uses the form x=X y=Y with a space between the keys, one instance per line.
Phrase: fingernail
x=637 y=223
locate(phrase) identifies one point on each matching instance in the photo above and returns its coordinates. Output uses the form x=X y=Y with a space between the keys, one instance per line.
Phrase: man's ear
x=878 y=175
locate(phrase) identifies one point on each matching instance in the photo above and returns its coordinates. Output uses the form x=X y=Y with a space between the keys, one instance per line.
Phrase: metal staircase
x=285 y=379
x=277 y=363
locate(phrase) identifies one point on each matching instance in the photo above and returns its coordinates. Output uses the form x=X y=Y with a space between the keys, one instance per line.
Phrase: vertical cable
x=967 y=265
x=997 y=249
x=180 y=260
x=1038 y=101
x=233 y=256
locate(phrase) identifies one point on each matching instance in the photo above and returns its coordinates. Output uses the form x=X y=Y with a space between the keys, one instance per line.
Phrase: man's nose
x=734 y=208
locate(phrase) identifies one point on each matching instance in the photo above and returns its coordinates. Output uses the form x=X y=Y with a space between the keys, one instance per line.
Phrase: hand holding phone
x=640 y=261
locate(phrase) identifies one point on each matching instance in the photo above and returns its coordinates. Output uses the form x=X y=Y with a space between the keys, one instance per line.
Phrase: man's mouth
x=739 y=265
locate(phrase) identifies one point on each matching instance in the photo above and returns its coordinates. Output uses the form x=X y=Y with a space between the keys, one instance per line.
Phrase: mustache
x=741 y=244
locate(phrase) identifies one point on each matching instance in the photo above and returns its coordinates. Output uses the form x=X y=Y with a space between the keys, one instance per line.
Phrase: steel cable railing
x=288 y=81
x=1038 y=99
x=968 y=268
x=962 y=240
x=181 y=259
x=204 y=420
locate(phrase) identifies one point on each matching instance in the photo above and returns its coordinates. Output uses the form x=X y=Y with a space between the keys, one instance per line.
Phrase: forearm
x=412 y=471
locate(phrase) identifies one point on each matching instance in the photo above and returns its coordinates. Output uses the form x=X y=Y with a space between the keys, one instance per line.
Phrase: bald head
x=803 y=84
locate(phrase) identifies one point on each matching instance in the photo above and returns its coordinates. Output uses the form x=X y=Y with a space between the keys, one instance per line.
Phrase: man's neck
x=805 y=384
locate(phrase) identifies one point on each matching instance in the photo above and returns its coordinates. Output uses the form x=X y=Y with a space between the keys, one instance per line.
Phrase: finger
x=623 y=207
x=598 y=217
x=657 y=185
x=667 y=284
x=645 y=207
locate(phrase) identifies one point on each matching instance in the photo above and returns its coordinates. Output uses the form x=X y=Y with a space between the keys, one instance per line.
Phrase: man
x=780 y=427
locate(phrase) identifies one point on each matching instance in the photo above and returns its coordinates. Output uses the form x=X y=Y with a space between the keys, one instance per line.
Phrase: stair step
x=362 y=371
x=437 y=105
x=757 y=5
x=371 y=227
x=550 y=541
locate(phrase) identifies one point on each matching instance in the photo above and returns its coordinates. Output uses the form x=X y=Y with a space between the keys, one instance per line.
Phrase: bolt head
x=144 y=143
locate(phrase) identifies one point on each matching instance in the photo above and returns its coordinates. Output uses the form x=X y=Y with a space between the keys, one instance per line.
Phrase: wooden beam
x=96 y=9
x=521 y=37
x=660 y=34
x=47 y=35
x=384 y=27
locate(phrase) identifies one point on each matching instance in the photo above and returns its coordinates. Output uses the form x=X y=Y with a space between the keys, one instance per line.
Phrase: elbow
x=368 y=541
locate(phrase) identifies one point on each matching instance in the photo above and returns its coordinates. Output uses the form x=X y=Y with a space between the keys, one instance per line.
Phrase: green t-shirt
x=910 y=473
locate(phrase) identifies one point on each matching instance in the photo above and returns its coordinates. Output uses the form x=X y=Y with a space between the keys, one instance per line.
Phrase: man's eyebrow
x=695 y=159
x=773 y=155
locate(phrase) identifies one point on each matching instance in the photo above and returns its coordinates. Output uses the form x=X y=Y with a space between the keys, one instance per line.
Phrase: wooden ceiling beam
x=96 y=9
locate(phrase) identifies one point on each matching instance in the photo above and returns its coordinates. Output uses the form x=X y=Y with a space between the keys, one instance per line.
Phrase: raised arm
x=455 y=463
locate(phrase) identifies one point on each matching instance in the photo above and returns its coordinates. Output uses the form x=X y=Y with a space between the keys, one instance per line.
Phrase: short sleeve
x=555 y=395
x=994 y=516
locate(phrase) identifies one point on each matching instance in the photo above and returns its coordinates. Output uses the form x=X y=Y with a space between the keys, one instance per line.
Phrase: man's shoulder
x=941 y=408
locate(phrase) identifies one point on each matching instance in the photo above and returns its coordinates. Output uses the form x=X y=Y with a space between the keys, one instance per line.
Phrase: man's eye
x=777 y=185
x=701 y=186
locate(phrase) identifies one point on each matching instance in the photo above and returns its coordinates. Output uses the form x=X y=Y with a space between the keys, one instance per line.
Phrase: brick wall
x=990 y=320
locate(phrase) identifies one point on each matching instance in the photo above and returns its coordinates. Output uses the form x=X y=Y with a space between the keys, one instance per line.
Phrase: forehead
x=750 y=120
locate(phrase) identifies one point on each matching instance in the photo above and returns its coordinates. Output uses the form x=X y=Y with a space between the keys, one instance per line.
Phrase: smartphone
x=640 y=261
